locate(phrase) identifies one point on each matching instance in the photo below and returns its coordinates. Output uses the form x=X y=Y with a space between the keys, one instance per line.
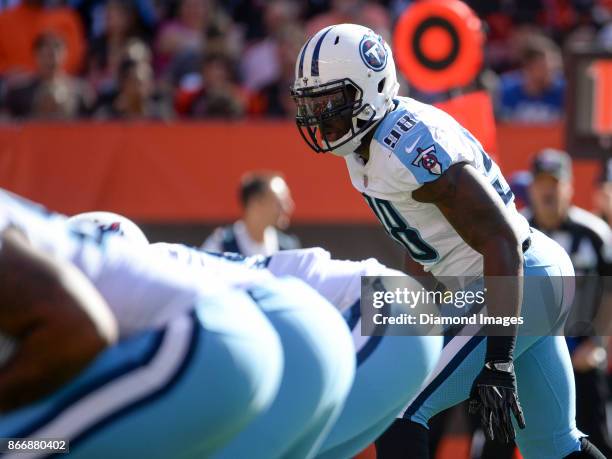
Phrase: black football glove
x=494 y=398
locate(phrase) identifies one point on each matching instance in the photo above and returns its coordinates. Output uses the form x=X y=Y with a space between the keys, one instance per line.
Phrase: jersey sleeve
x=427 y=147
x=430 y=151
x=338 y=281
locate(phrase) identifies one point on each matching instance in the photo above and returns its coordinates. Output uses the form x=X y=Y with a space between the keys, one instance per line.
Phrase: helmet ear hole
x=381 y=85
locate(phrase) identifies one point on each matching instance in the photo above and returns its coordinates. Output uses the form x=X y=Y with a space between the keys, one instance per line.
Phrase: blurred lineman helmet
x=111 y=222
x=344 y=80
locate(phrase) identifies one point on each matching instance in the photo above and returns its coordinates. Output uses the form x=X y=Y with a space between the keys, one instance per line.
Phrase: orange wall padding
x=189 y=171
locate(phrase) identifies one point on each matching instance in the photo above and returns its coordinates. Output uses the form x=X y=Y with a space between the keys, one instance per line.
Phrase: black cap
x=552 y=162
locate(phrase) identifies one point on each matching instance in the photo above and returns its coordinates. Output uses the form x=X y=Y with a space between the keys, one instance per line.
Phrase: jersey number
x=397 y=228
x=500 y=185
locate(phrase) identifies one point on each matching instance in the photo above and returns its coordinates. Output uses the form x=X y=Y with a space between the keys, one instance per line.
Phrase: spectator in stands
x=94 y=15
x=277 y=16
x=498 y=18
x=108 y=49
x=134 y=50
x=585 y=25
x=267 y=208
x=135 y=98
x=220 y=96
x=200 y=27
x=603 y=198
x=183 y=33
x=535 y=93
x=20 y=27
x=587 y=239
x=367 y=13
x=8 y=4
x=50 y=92
x=276 y=99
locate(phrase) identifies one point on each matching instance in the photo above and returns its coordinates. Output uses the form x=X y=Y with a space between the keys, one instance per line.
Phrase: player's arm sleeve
x=426 y=152
x=338 y=281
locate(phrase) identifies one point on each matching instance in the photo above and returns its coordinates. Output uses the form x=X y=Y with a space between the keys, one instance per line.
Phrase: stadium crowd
x=169 y=59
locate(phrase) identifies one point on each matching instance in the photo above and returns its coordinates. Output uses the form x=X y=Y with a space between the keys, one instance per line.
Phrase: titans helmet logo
x=373 y=52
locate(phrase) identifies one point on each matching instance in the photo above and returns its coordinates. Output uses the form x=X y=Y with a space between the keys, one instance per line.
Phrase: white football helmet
x=345 y=82
x=111 y=222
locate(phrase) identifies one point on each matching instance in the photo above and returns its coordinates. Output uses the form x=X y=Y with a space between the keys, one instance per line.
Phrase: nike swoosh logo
x=411 y=147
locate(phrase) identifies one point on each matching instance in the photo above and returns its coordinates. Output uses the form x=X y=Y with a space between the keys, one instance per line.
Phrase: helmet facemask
x=331 y=115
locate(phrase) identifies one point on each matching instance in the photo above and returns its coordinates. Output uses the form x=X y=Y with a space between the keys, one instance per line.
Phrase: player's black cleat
x=494 y=398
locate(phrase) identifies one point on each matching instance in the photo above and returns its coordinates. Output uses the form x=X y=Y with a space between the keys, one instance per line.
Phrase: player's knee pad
x=587 y=451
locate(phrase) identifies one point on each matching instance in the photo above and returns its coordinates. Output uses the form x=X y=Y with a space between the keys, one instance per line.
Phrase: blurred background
x=178 y=115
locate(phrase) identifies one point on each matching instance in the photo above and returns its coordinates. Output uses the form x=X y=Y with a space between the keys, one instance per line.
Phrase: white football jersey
x=415 y=144
x=144 y=291
x=234 y=269
x=338 y=281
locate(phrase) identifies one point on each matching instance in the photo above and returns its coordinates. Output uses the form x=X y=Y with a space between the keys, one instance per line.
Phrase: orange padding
x=474 y=111
x=368 y=453
x=189 y=171
x=451 y=447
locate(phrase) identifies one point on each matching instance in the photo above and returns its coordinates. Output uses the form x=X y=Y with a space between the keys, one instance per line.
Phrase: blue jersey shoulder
x=411 y=140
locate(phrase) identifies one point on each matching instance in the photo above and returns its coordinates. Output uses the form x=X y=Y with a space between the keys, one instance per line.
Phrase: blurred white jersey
x=220 y=266
x=142 y=289
x=415 y=144
x=338 y=281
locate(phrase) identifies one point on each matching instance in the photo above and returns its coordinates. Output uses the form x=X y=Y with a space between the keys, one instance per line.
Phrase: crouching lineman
x=293 y=426
x=196 y=360
x=390 y=369
x=138 y=397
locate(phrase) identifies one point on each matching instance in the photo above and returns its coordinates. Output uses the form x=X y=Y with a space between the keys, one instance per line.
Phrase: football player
x=178 y=335
x=398 y=365
x=390 y=369
x=444 y=200
x=45 y=305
